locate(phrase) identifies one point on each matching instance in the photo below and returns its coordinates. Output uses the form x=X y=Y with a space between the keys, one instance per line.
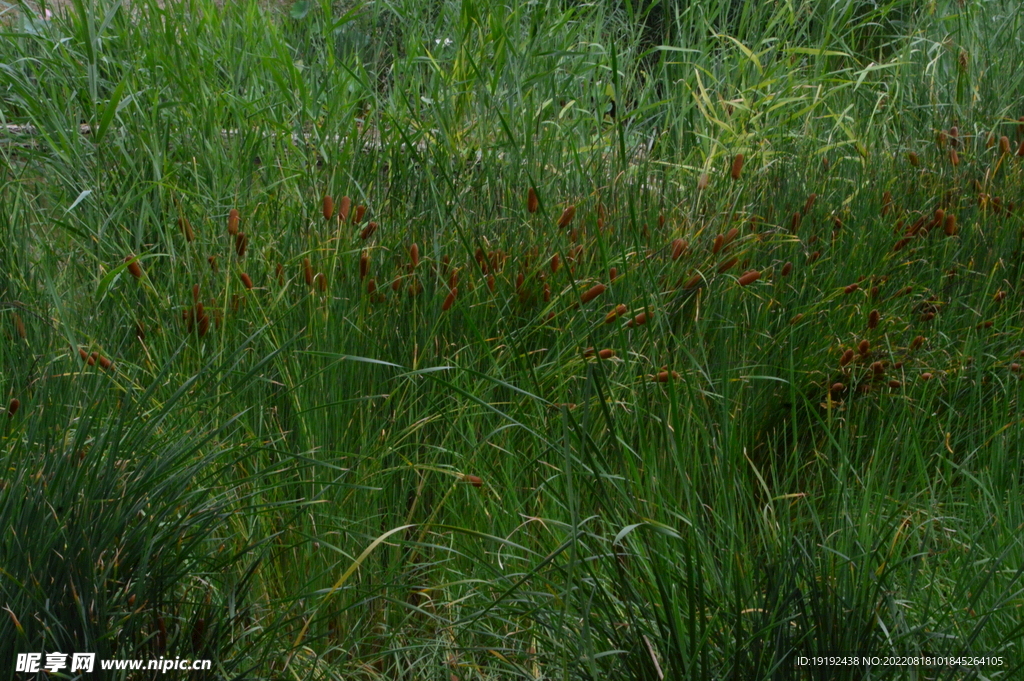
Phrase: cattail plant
x=640 y=319
x=555 y=263
x=19 y=325
x=233 y=219
x=664 y=376
x=613 y=274
x=344 y=208
x=246 y=281
x=917 y=342
x=280 y=274
x=86 y=357
x=716 y=246
x=357 y=216
x=186 y=228
x=954 y=158
x=846 y=358
x=593 y=292
x=364 y=264
x=450 y=299
x=809 y=203
x=873 y=319
x=940 y=139
x=415 y=288
x=813 y=257
x=851 y=288
x=1020 y=149
x=105 y=362
x=864 y=347
x=414 y=255
x=913 y=158
x=749 y=277
x=307 y=271
x=12 y=407
x=133 y=266
x=241 y=242
x=678 y=248
x=370 y=228
x=472 y=480
x=321 y=281
x=328 y=207
x=567 y=215
x=728 y=264
x=1004 y=145
x=737 y=167
x=837 y=387
x=950 y=225
x=886 y=203
x=693 y=281
x=213 y=264
x=786 y=269
x=532 y=202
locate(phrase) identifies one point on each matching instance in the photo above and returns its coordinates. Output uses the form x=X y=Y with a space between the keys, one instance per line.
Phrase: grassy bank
x=550 y=340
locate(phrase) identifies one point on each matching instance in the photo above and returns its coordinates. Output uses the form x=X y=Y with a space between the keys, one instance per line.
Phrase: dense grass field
x=452 y=340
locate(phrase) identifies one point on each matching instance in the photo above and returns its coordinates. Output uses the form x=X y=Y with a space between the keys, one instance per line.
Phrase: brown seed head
x=950 y=225
x=894 y=384
x=796 y=318
x=321 y=281
x=307 y=271
x=593 y=292
x=613 y=274
x=186 y=229
x=809 y=203
x=786 y=269
x=567 y=215
x=608 y=353
x=913 y=158
x=364 y=264
x=12 y=407
x=678 y=248
x=926 y=376
x=370 y=228
x=450 y=299
x=640 y=319
x=246 y=281
x=555 y=263
x=917 y=342
x=813 y=257
x=846 y=358
x=794 y=222
x=749 y=277
x=241 y=242
x=134 y=267
x=1004 y=145
x=371 y=286
x=851 y=288
x=532 y=202
x=838 y=387
x=616 y=312
x=737 y=167
x=728 y=264
x=864 y=348
x=357 y=216
x=414 y=255
x=344 y=209
x=328 y=207
x=954 y=158
x=105 y=362
x=233 y=219
x=877 y=369
x=873 y=319
x=472 y=480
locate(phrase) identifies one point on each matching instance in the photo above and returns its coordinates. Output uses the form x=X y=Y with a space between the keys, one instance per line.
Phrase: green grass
x=339 y=484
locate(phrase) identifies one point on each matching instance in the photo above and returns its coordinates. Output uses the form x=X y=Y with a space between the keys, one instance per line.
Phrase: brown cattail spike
x=864 y=347
x=370 y=228
x=233 y=218
x=307 y=271
x=414 y=255
x=749 y=277
x=246 y=281
x=133 y=266
x=640 y=319
x=796 y=318
x=616 y=312
x=328 y=207
x=846 y=358
x=555 y=263
x=950 y=225
x=728 y=264
x=873 y=319
x=809 y=203
x=532 y=202
x=567 y=215
x=364 y=264
x=344 y=208
x=241 y=242
x=357 y=216
x=186 y=229
x=607 y=353
x=450 y=299
x=1004 y=145
x=786 y=269
x=593 y=292
x=12 y=407
x=914 y=160
x=737 y=167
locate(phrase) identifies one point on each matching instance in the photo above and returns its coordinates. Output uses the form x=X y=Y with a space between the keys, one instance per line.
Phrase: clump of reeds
x=749 y=277
x=134 y=268
x=233 y=219
x=328 y=207
x=737 y=167
x=370 y=228
x=241 y=243
x=593 y=292
x=344 y=209
x=532 y=202
x=566 y=218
